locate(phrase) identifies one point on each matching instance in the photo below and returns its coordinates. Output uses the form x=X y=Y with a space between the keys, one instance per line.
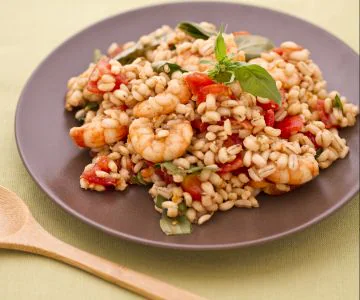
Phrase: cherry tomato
x=269 y=118
x=199 y=126
x=192 y=185
x=236 y=164
x=312 y=138
x=196 y=81
x=103 y=67
x=215 y=89
x=233 y=139
x=324 y=117
x=289 y=126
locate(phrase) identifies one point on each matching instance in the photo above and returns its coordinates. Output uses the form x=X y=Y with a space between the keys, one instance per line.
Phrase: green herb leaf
x=91 y=106
x=258 y=82
x=195 y=30
x=182 y=207
x=128 y=55
x=174 y=170
x=159 y=200
x=138 y=179
x=97 y=55
x=253 y=45
x=318 y=152
x=220 y=47
x=206 y=62
x=168 y=68
x=175 y=226
x=338 y=103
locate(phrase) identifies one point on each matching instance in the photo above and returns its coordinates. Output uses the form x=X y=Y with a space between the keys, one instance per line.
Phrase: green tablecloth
x=319 y=263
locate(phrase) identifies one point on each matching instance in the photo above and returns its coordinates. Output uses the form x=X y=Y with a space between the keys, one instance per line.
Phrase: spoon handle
x=41 y=242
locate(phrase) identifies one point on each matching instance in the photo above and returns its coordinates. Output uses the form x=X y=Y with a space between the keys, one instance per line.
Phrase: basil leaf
x=168 y=68
x=91 y=106
x=159 y=200
x=97 y=55
x=338 y=103
x=220 y=47
x=195 y=30
x=175 y=226
x=253 y=45
x=257 y=81
x=318 y=152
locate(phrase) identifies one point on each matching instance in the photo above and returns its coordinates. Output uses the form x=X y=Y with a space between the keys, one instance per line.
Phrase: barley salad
x=206 y=119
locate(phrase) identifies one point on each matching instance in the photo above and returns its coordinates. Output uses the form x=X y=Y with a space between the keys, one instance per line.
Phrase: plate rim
x=345 y=199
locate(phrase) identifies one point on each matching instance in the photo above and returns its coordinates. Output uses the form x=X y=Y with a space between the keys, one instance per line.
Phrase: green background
x=319 y=263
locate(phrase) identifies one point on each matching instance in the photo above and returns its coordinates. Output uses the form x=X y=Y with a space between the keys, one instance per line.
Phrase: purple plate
x=42 y=127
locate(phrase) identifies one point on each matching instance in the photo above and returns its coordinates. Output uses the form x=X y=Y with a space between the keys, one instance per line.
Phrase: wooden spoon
x=20 y=231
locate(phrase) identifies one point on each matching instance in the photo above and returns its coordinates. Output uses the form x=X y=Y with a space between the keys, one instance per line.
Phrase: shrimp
x=161 y=104
x=306 y=170
x=164 y=103
x=163 y=145
x=98 y=133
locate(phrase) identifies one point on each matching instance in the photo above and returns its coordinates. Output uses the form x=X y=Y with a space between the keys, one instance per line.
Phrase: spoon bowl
x=20 y=231
x=13 y=213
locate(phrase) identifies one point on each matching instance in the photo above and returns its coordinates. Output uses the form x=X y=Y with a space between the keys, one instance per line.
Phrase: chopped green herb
x=164 y=66
x=253 y=45
x=318 y=152
x=128 y=55
x=138 y=179
x=252 y=78
x=97 y=55
x=195 y=30
x=91 y=106
x=338 y=103
x=175 y=226
x=182 y=208
x=174 y=170
x=159 y=200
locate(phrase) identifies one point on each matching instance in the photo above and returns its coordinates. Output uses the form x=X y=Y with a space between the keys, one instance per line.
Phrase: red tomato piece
x=199 y=126
x=192 y=185
x=324 y=117
x=233 y=139
x=116 y=51
x=164 y=176
x=215 y=89
x=103 y=67
x=196 y=81
x=270 y=105
x=236 y=164
x=103 y=164
x=269 y=118
x=100 y=165
x=289 y=126
x=92 y=178
x=312 y=138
